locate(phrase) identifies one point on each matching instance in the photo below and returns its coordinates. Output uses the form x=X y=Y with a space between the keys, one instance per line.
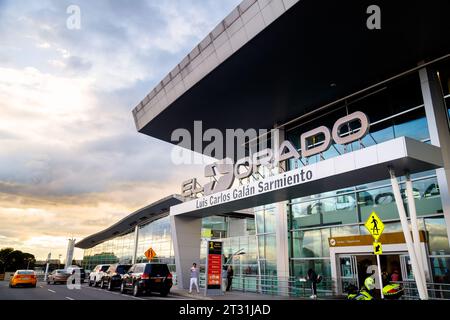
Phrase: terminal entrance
x=353 y=269
x=352 y=260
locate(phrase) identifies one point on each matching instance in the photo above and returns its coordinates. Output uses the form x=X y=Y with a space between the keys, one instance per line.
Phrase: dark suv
x=113 y=276
x=147 y=277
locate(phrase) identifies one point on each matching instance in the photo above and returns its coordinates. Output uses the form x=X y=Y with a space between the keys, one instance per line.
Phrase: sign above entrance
x=354 y=168
x=377 y=248
x=374 y=225
x=224 y=172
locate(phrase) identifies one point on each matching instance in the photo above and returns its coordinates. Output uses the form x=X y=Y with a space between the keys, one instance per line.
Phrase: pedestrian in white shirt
x=194 y=277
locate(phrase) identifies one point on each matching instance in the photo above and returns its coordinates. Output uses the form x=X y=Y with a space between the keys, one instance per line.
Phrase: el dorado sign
x=224 y=172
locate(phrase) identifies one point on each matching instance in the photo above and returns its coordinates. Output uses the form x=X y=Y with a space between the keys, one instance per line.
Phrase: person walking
x=312 y=276
x=194 y=277
x=230 y=274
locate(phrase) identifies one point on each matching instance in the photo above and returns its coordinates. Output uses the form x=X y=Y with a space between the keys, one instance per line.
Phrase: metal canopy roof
x=152 y=212
x=287 y=68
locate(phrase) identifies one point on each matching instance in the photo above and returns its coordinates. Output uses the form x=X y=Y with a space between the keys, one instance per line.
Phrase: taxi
x=23 y=278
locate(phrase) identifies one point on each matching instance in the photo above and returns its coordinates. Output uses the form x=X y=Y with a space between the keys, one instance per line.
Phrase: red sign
x=214 y=269
x=214 y=265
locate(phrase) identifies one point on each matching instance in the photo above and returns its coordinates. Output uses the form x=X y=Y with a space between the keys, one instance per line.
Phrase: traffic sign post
x=150 y=254
x=376 y=227
x=377 y=248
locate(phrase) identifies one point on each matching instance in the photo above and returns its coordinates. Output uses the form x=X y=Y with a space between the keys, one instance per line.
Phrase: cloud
x=71 y=161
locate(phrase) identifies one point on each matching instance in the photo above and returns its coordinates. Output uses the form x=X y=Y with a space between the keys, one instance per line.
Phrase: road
x=44 y=291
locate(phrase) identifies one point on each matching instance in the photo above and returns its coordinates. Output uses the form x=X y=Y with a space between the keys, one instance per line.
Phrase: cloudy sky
x=71 y=161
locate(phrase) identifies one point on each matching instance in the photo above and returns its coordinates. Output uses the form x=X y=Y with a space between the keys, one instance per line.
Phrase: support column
x=136 y=242
x=421 y=286
x=186 y=233
x=414 y=225
x=281 y=228
x=437 y=119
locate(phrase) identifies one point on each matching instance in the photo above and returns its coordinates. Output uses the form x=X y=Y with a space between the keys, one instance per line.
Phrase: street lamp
x=28 y=264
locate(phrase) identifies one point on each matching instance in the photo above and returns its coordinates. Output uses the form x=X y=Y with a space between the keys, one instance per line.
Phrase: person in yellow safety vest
x=369 y=283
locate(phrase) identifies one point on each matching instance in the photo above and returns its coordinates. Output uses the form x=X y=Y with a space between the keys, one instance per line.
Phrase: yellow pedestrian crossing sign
x=150 y=253
x=377 y=248
x=374 y=225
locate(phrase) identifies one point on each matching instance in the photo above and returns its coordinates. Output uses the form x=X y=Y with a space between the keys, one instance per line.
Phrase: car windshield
x=104 y=268
x=157 y=269
x=61 y=271
x=122 y=269
x=25 y=272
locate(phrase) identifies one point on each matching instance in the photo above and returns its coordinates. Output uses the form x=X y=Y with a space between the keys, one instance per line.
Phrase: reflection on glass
x=310 y=243
x=427 y=196
x=437 y=236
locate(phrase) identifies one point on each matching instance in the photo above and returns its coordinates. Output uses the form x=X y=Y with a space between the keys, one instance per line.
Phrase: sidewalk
x=239 y=295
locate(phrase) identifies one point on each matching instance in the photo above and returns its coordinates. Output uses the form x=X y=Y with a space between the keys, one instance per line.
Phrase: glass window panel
x=437 y=236
x=269 y=220
x=305 y=214
x=340 y=209
x=344 y=231
x=380 y=200
x=259 y=217
x=413 y=128
x=427 y=196
x=300 y=267
x=310 y=243
x=441 y=272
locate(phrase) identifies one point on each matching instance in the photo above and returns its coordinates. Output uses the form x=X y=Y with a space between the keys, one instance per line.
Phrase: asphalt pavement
x=44 y=291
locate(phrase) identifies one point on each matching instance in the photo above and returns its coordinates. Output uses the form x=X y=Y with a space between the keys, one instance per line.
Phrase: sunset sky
x=71 y=161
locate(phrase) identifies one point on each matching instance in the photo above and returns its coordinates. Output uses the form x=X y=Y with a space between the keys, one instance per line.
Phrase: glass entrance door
x=348 y=272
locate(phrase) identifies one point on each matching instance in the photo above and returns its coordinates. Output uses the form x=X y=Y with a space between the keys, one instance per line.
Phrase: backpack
x=319 y=278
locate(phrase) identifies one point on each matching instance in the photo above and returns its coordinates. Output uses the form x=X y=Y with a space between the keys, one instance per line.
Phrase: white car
x=96 y=275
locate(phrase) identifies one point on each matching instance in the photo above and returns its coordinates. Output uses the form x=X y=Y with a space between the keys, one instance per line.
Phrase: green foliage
x=12 y=260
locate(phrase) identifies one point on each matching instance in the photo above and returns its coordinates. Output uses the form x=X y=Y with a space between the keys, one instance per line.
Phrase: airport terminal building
x=359 y=118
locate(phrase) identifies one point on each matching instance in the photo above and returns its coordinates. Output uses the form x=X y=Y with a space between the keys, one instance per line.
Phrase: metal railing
x=280 y=286
x=436 y=291
x=298 y=287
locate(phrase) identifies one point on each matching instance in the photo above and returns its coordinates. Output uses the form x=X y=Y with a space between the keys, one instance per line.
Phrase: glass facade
x=119 y=249
x=238 y=236
x=394 y=111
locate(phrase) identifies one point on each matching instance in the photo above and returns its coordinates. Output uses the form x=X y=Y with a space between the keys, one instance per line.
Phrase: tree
x=4 y=258
x=12 y=260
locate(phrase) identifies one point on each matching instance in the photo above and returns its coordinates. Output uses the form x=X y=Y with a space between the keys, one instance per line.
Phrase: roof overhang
x=152 y=212
x=351 y=169
x=269 y=62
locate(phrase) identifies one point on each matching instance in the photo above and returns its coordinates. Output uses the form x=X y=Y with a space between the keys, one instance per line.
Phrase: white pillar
x=186 y=241
x=136 y=242
x=438 y=127
x=281 y=229
x=415 y=226
x=421 y=286
x=69 y=253
x=47 y=265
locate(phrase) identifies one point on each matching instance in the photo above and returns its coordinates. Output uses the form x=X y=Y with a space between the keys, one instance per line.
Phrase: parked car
x=58 y=276
x=147 y=277
x=113 y=276
x=96 y=275
x=73 y=269
x=23 y=278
